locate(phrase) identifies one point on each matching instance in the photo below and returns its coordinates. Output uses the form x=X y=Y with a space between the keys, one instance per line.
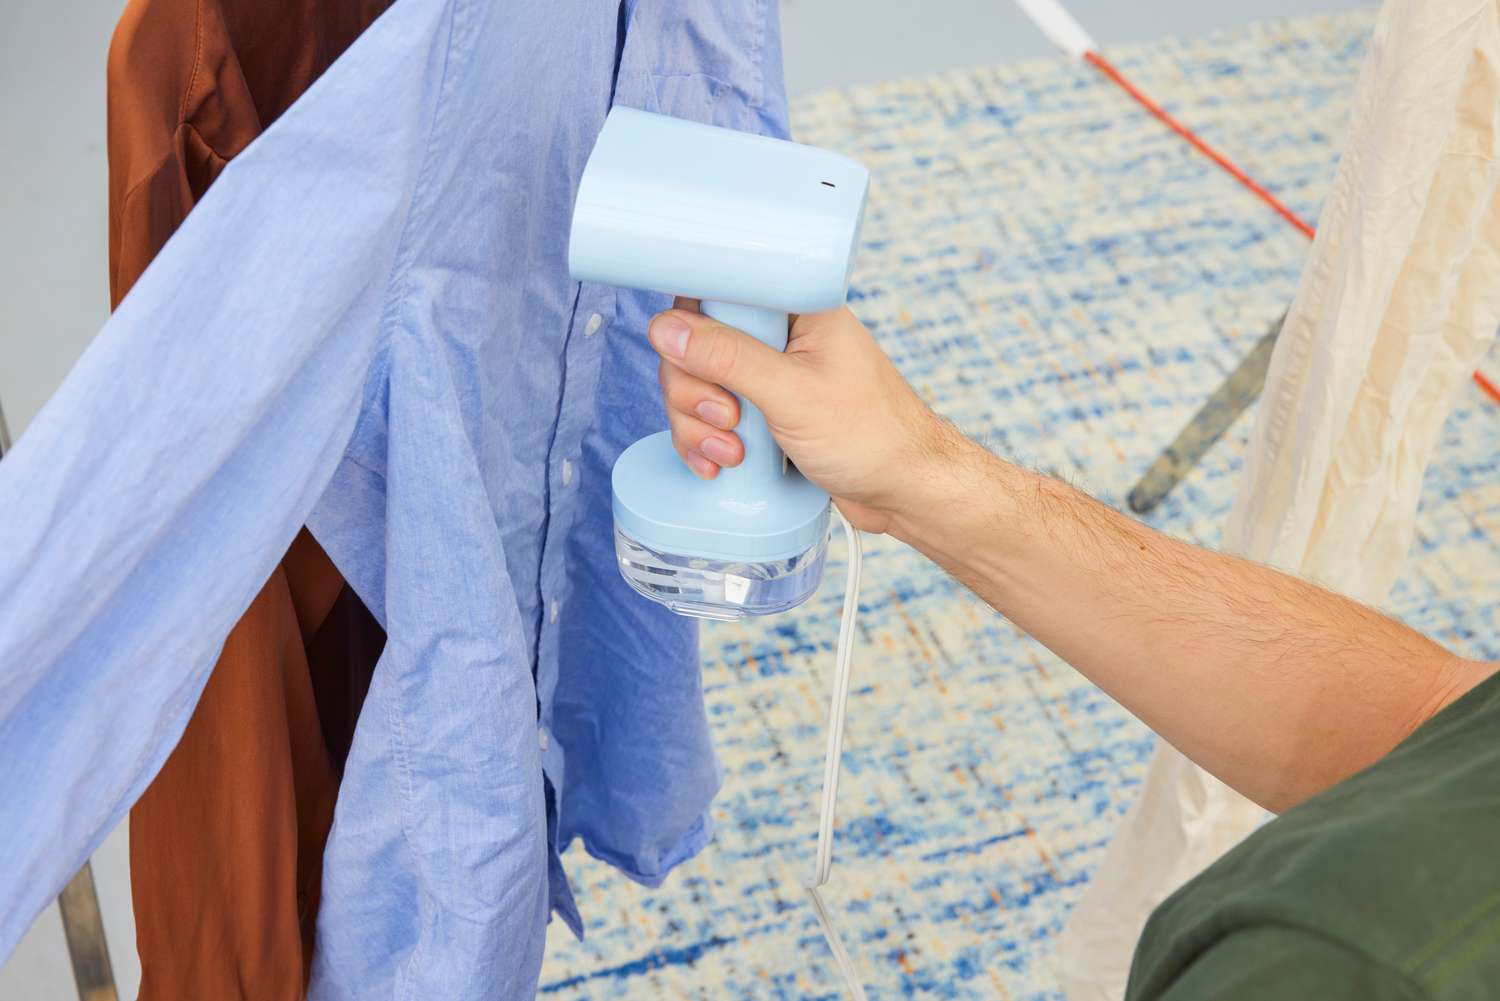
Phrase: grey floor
x=53 y=294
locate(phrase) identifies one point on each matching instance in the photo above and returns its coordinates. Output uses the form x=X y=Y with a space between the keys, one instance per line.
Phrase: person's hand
x=833 y=401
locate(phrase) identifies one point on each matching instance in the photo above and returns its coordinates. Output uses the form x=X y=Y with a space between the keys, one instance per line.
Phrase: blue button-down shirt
x=367 y=326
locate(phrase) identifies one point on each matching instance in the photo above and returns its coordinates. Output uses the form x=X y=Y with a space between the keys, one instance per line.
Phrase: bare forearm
x=1274 y=685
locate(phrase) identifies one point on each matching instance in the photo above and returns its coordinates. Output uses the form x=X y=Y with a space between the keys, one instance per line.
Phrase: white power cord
x=832 y=759
x=836 y=946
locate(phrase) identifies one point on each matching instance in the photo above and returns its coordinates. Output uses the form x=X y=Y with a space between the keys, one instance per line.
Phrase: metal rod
x=1207 y=426
x=84 y=927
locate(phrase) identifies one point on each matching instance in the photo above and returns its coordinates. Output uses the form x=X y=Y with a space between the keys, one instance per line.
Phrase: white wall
x=54 y=291
x=53 y=288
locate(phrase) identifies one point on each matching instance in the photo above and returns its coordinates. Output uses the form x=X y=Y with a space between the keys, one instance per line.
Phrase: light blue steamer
x=756 y=228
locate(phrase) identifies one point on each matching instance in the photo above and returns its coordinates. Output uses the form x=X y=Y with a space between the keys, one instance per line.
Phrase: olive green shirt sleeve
x=1287 y=964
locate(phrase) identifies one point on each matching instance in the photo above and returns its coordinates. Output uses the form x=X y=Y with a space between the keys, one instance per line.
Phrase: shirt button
x=592 y=327
x=553 y=613
x=541 y=738
x=567 y=472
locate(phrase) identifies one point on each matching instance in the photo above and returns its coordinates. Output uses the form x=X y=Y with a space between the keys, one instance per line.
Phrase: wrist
x=951 y=489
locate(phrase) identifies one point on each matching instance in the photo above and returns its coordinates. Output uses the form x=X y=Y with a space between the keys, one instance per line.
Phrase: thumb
x=706 y=348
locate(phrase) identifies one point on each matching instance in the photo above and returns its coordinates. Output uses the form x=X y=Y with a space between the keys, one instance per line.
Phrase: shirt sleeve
x=149 y=500
x=1287 y=964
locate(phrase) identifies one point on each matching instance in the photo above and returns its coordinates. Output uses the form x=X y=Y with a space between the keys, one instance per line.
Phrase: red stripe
x=1104 y=66
x=1488 y=386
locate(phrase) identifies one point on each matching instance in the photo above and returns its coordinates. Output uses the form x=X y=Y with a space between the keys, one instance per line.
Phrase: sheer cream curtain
x=1399 y=300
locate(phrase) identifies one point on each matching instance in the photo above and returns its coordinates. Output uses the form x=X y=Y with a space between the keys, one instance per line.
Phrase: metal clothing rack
x=83 y=924
x=1208 y=425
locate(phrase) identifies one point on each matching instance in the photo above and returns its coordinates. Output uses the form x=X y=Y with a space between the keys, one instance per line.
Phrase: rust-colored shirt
x=191 y=84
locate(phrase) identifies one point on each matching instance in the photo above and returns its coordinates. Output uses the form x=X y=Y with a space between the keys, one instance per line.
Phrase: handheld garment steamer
x=754 y=228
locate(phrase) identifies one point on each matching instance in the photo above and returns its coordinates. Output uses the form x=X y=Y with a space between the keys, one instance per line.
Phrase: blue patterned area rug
x=1067 y=281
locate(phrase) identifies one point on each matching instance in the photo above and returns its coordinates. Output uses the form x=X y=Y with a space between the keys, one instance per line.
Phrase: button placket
x=582 y=372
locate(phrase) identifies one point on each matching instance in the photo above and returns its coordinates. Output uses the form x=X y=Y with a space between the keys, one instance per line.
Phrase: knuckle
x=721 y=353
x=685 y=395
